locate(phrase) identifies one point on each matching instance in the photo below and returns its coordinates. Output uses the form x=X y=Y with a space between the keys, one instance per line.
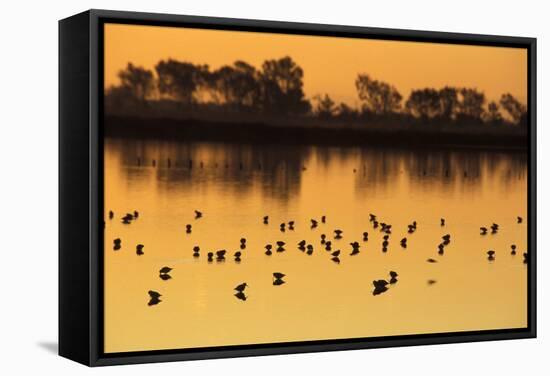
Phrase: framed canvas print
x=237 y=187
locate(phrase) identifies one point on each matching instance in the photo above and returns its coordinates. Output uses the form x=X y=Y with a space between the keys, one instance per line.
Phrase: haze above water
x=238 y=185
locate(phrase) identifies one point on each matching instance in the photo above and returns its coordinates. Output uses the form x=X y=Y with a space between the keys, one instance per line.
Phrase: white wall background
x=28 y=185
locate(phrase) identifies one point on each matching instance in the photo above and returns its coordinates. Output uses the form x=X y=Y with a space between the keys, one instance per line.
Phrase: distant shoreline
x=291 y=133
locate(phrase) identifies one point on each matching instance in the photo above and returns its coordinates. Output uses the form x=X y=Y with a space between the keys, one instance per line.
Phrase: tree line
x=277 y=89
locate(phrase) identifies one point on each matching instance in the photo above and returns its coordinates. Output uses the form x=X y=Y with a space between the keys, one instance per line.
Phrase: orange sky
x=330 y=64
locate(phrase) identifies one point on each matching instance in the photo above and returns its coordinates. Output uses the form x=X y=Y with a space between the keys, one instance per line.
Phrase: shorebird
x=210 y=256
x=442 y=222
x=198 y=214
x=154 y=298
x=220 y=255
x=241 y=287
x=520 y=220
x=338 y=234
x=196 y=251
x=365 y=236
x=111 y=214
x=314 y=223
x=491 y=255
x=266 y=219
x=323 y=238
x=188 y=228
x=309 y=249
x=404 y=242
x=483 y=230
x=372 y=217
x=139 y=249
x=336 y=253
x=513 y=249
x=136 y=214
x=431 y=260
x=323 y=219
x=291 y=225
x=165 y=270
x=393 y=276
x=380 y=286
x=117 y=244
x=278 y=275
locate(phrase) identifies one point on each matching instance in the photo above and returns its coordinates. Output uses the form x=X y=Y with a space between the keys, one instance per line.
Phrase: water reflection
x=278 y=171
x=219 y=226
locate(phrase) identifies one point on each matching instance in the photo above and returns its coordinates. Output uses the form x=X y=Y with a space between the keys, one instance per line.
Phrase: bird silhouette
x=165 y=277
x=139 y=249
x=431 y=260
x=282 y=227
x=525 y=258
x=513 y=252
x=491 y=255
x=328 y=245
x=442 y=221
x=241 y=287
x=338 y=234
x=309 y=249
x=237 y=256
x=336 y=259
x=196 y=251
x=314 y=223
x=372 y=217
x=117 y=244
x=323 y=219
x=431 y=282
x=483 y=230
x=198 y=214
x=188 y=228
x=519 y=219
x=291 y=225
x=220 y=255
x=365 y=236
x=266 y=219
x=136 y=214
x=278 y=275
x=278 y=282
x=393 y=277
x=154 y=298
x=111 y=214
x=441 y=248
x=380 y=286
x=323 y=238
x=165 y=269
x=336 y=253
x=210 y=256
x=404 y=242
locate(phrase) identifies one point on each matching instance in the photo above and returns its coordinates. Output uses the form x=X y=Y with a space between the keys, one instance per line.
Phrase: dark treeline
x=183 y=89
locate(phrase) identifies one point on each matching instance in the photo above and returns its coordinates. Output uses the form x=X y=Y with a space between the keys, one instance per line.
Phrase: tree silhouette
x=378 y=97
x=470 y=106
x=325 y=107
x=236 y=85
x=493 y=115
x=448 y=102
x=136 y=82
x=424 y=103
x=513 y=107
x=180 y=80
x=282 y=87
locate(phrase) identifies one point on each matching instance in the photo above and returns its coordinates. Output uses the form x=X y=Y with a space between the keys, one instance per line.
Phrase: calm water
x=239 y=184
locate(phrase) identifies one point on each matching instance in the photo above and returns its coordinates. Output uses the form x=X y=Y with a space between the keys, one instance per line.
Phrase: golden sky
x=330 y=64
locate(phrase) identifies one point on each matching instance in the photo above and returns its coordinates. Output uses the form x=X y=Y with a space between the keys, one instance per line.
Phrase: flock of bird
x=380 y=285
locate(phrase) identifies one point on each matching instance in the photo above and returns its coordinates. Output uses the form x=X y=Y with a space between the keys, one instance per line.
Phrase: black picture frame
x=81 y=186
